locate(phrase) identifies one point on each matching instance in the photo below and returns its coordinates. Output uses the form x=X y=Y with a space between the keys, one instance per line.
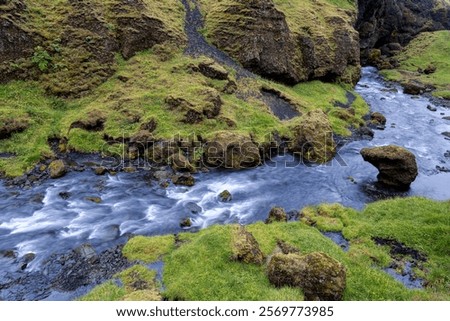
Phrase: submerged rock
x=245 y=247
x=321 y=277
x=397 y=165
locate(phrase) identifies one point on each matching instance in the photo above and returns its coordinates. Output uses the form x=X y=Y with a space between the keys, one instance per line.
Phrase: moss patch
x=148 y=250
x=134 y=284
x=429 y=48
x=201 y=268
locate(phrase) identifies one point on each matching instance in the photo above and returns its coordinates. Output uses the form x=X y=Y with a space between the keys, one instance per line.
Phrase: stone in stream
x=193 y=208
x=446 y=118
x=186 y=223
x=446 y=134
x=225 y=196
x=431 y=108
x=57 y=169
x=397 y=165
x=321 y=277
x=414 y=88
x=378 y=119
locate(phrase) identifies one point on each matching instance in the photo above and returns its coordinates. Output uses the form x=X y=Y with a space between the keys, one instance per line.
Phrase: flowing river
x=55 y=217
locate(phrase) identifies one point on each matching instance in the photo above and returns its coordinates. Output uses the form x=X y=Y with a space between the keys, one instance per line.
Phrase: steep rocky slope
x=113 y=77
x=287 y=41
x=390 y=24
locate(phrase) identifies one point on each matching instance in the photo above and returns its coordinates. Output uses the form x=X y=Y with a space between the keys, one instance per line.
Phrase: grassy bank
x=429 y=49
x=199 y=266
x=138 y=92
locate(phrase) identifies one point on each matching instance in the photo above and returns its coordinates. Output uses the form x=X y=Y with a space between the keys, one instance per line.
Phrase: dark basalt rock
x=390 y=24
x=397 y=165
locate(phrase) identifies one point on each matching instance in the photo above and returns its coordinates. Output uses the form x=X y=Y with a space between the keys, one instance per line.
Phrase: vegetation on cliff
x=93 y=85
x=425 y=60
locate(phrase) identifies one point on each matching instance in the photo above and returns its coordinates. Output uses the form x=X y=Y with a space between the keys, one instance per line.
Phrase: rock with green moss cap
x=314 y=138
x=57 y=169
x=277 y=214
x=245 y=247
x=233 y=151
x=321 y=277
x=183 y=180
x=225 y=196
x=397 y=165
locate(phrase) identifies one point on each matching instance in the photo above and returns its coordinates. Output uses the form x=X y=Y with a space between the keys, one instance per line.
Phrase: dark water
x=40 y=221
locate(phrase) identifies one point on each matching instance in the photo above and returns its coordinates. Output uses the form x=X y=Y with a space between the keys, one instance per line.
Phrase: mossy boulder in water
x=314 y=138
x=397 y=165
x=321 y=277
x=180 y=163
x=225 y=196
x=245 y=247
x=233 y=151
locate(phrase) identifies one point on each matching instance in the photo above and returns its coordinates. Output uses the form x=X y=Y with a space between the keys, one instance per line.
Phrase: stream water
x=56 y=217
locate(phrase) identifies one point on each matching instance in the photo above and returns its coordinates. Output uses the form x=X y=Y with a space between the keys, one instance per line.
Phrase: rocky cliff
x=287 y=42
x=390 y=24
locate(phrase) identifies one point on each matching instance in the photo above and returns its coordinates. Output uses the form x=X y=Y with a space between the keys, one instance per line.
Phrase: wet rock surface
x=79 y=269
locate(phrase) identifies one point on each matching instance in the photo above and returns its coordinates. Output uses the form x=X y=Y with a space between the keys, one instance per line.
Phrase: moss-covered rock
x=314 y=138
x=284 y=41
x=321 y=277
x=232 y=150
x=57 y=169
x=277 y=214
x=378 y=118
x=225 y=196
x=397 y=165
x=245 y=247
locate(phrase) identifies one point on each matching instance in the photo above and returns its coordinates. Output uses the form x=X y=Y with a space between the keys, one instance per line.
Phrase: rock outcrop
x=271 y=41
x=390 y=24
x=79 y=54
x=321 y=277
x=397 y=165
x=314 y=138
x=233 y=151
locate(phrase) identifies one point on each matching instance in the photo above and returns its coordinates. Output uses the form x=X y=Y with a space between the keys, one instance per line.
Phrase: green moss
x=428 y=48
x=138 y=284
x=148 y=249
x=202 y=267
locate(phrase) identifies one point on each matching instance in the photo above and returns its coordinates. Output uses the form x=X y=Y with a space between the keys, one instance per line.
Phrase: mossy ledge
x=200 y=266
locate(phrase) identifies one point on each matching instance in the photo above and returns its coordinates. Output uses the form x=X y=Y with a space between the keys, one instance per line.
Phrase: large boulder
x=245 y=247
x=233 y=151
x=321 y=277
x=397 y=165
x=314 y=138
